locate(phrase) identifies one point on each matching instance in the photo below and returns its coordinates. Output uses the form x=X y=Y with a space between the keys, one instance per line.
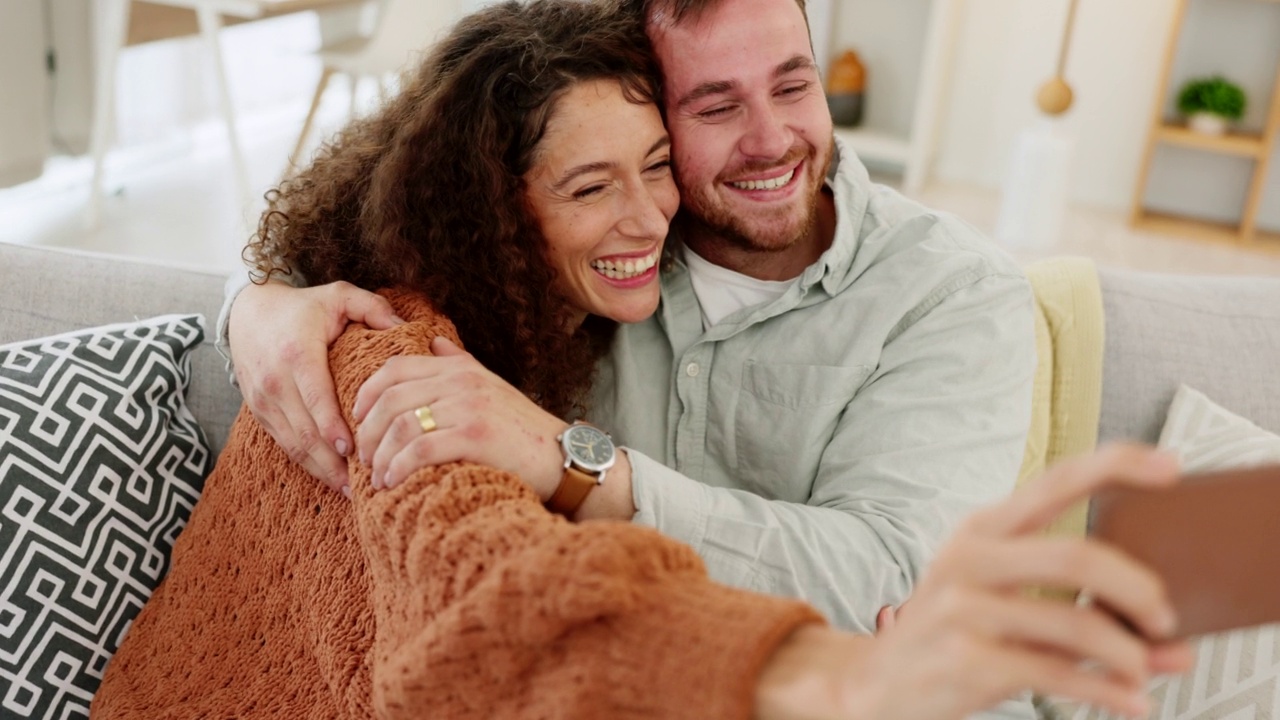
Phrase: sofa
x=1218 y=335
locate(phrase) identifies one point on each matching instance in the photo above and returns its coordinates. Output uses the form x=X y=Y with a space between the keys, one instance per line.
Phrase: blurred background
x=141 y=96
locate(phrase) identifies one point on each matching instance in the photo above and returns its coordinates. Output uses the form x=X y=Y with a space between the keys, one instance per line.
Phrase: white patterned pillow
x=1210 y=438
x=1237 y=674
x=100 y=463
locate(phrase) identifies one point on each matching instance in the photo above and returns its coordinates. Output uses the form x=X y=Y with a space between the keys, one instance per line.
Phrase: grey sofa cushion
x=1218 y=335
x=46 y=292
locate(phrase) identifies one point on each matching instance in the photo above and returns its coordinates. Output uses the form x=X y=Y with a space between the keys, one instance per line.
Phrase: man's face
x=749 y=123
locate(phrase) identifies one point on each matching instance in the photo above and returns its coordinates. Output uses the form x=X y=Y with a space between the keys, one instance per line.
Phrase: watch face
x=589 y=448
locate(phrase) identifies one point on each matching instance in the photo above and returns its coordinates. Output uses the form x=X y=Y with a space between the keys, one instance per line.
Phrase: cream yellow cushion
x=1067 y=396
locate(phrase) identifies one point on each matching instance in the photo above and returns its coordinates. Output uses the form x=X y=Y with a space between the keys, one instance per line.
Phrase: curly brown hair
x=428 y=193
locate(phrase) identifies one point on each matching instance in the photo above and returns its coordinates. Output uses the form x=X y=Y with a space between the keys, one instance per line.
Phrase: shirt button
x=692 y=370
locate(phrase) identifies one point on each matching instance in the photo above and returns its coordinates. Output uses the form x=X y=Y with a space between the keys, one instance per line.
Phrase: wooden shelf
x=1243 y=144
x=1257 y=147
x=1206 y=230
x=1169 y=224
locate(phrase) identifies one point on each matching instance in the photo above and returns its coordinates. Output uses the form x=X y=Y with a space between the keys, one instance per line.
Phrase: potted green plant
x=1211 y=103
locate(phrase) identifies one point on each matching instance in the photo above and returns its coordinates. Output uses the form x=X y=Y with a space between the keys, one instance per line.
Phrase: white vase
x=1208 y=123
x=1037 y=189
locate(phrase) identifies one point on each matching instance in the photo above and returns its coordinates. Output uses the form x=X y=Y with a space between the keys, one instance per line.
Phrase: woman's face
x=602 y=190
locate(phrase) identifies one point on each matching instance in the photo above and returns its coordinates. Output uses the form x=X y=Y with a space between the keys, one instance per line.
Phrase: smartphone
x=1213 y=538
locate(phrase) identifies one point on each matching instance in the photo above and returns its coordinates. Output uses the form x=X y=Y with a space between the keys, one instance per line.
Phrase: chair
x=405 y=29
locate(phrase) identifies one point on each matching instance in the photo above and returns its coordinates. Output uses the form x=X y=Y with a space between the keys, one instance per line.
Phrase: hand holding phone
x=1214 y=539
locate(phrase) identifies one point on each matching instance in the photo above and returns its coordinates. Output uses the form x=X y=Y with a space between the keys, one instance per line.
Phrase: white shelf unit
x=904 y=136
x=877 y=145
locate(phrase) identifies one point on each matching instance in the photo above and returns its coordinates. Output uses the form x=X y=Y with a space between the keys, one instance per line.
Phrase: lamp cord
x=1066 y=37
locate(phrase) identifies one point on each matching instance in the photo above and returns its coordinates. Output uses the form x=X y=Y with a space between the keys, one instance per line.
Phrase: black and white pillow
x=100 y=463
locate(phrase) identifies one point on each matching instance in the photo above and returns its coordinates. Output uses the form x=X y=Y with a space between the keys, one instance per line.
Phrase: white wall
x=1007 y=48
x=23 y=92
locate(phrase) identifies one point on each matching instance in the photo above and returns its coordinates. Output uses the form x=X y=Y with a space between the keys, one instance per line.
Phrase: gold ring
x=425 y=420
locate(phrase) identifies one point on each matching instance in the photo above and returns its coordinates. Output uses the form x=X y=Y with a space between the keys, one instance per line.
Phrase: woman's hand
x=479 y=418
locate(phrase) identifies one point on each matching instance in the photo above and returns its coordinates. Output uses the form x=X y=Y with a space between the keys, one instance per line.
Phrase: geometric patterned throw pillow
x=1236 y=675
x=100 y=463
x=1209 y=437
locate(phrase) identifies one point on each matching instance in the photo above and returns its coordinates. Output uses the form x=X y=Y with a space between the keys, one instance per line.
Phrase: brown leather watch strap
x=574 y=488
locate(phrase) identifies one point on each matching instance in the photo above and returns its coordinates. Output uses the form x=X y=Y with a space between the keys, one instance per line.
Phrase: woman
x=506 y=184
x=498 y=190
x=525 y=159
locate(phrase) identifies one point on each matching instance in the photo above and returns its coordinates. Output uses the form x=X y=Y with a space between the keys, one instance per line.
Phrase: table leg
x=296 y=161
x=112 y=22
x=210 y=24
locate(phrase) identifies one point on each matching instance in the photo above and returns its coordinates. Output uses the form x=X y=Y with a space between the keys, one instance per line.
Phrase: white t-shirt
x=722 y=292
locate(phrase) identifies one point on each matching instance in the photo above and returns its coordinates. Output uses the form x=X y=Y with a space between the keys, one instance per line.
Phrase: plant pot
x=846 y=108
x=1208 y=123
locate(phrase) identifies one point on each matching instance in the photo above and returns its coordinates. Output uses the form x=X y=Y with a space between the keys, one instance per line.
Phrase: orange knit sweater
x=455 y=595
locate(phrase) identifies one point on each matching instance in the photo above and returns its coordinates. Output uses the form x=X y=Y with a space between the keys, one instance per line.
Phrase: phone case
x=1213 y=538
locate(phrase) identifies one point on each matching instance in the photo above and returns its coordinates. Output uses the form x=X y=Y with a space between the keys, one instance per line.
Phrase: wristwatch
x=588 y=454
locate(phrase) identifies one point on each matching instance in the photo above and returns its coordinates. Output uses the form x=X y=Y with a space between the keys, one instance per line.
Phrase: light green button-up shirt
x=823 y=445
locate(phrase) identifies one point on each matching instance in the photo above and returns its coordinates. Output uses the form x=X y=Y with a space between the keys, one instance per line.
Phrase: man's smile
x=771 y=185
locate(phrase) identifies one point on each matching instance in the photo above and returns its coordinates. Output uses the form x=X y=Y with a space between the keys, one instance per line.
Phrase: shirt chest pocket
x=784 y=419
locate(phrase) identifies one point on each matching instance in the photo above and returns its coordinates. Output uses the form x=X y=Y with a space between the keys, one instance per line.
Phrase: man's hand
x=479 y=418
x=280 y=337
x=970 y=636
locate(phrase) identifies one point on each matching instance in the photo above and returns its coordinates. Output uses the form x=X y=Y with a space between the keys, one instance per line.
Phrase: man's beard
x=712 y=220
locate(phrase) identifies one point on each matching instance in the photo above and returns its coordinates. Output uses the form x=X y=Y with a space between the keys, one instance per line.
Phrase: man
x=834 y=377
